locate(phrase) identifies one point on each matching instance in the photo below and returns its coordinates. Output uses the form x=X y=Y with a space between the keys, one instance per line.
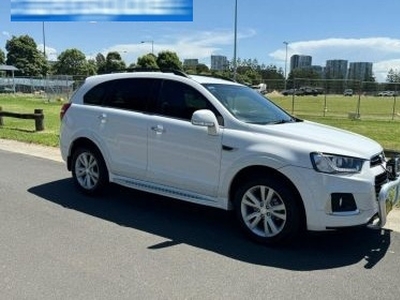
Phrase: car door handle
x=159 y=129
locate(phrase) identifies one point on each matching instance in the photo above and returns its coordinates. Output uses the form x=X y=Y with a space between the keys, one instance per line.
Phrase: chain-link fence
x=337 y=98
x=306 y=97
x=52 y=88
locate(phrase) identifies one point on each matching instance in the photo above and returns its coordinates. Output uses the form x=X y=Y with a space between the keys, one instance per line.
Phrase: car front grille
x=380 y=180
x=377 y=160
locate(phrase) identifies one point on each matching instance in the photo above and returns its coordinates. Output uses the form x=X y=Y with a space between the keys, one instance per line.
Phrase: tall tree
x=393 y=76
x=2 y=57
x=91 y=67
x=22 y=53
x=147 y=61
x=100 y=62
x=113 y=63
x=202 y=69
x=169 y=60
x=72 y=62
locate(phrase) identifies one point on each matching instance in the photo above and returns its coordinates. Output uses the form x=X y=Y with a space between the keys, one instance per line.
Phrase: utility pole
x=235 y=44
x=286 y=45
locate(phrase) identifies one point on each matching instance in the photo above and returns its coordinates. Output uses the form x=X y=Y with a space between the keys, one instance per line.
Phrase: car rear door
x=123 y=125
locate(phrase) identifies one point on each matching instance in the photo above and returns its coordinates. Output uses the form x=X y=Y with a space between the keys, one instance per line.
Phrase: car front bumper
x=389 y=196
x=373 y=198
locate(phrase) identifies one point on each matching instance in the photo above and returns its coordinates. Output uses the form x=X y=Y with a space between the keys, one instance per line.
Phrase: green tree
x=113 y=63
x=148 y=61
x=100 y=62
x=169 y=60
x=132 y=66
x=393 y=76
x=202 y=69
x=72 y=62
x=22 y=53
x=91 y=67
x=303 y=77
x=2 y=57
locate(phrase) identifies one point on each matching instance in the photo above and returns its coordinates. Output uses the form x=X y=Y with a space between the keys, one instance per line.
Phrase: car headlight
x=333 y=164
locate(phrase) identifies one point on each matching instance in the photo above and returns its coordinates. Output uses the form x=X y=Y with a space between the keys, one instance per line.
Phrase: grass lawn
x=377 y=118
x=24 y=130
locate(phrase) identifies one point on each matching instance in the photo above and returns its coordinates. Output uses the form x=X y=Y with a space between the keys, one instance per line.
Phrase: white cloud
x=200 y=45
x=51 y=53
x=5 y=33
x=381 y=68
x=383 y=52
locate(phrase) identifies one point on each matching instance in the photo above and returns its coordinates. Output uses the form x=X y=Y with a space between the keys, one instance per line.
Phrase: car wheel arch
x=263 y=171
x=79 y=143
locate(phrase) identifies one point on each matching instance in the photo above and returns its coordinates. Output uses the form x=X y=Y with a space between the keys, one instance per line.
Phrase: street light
x=234 y=44
x=286 y=44
x=44 y=40
x=152 y=45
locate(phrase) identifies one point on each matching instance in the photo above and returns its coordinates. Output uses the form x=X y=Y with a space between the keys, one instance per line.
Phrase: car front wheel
x=267 y=210
x=89 y=171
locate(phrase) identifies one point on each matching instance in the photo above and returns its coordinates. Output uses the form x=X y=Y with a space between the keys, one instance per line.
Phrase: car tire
x=89 y=170
x=267 y=210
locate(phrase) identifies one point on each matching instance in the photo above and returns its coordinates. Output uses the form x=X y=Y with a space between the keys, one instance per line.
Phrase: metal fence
x=338 y=98
x=333 y=86
x=309 y=97
x=53 y=87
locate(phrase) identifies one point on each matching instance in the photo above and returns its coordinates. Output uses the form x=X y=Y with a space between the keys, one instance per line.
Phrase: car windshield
x=249 y=105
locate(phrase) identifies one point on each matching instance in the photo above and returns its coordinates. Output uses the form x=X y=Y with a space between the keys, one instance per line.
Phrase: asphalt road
x=58 y=244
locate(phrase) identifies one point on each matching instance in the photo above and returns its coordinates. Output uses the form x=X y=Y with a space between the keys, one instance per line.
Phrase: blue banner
x=101 y=10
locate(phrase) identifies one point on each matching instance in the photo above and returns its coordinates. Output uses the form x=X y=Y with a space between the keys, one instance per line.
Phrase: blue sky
x=355 y=30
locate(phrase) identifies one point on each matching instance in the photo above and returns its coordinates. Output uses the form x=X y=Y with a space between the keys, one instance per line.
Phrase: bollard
x=39 y=126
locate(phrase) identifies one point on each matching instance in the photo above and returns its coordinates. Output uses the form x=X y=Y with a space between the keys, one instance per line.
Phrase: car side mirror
x=206 y=118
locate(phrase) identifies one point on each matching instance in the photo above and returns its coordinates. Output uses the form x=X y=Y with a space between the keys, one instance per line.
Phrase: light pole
x=152 y=45
x=286 y=44
x=44 y=41
x=235 y=44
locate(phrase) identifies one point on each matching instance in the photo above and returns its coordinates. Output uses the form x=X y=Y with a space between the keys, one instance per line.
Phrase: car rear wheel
x=267 y=210
x=89 y=170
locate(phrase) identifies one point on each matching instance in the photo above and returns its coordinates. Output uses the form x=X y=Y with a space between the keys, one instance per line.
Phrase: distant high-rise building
x=219 y=62
x=300 y=62
x=360 y=71
x=336 y=69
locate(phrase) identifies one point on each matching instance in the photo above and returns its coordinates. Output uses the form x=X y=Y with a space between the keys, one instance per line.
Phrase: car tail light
x=64 y=109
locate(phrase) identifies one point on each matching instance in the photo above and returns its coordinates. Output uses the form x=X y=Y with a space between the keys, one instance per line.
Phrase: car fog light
x=343 y=202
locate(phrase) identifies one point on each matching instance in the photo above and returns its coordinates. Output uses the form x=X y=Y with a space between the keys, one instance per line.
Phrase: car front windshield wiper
x=282 y=121
x=270 y=122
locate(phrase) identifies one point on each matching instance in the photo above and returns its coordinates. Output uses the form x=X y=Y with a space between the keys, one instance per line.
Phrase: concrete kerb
x=53 y=153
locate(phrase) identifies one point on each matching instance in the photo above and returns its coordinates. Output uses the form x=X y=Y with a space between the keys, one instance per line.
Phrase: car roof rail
x=140 y=69
x=176 y=72
x=173 y=71
x=216 y=76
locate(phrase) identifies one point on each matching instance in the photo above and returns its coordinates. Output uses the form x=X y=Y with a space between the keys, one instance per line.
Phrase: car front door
x=181 y=155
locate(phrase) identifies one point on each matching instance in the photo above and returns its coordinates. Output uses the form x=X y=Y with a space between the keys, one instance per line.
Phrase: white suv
x=218 y=143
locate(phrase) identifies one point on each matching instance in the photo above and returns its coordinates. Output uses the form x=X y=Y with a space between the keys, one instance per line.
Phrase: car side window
x=180 y=101
x=136 y=94
x=96 y=95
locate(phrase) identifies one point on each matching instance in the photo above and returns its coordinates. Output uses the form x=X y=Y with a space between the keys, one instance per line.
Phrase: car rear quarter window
x=96 y=95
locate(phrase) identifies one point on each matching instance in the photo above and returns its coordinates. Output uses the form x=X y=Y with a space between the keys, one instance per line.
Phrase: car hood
x=315 y=137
